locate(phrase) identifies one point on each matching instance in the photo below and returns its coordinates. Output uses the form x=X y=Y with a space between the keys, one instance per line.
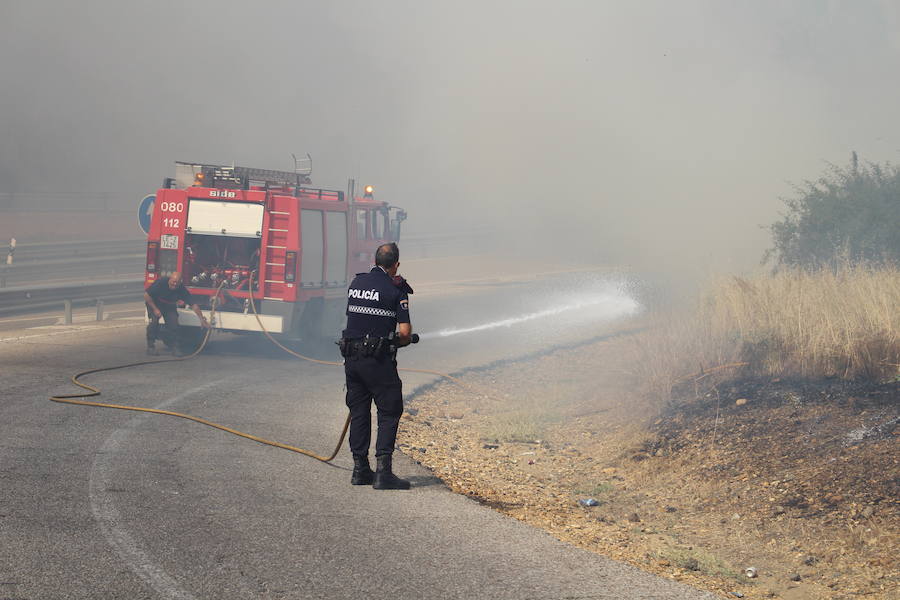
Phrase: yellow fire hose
x=71 y=398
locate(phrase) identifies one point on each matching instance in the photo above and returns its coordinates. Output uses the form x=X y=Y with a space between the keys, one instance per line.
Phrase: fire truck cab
x=269 y=234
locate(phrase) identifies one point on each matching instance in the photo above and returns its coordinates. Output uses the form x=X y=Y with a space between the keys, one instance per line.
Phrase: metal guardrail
x=71 y=261
x=29 y=253
x=19 y=274
x=23 y=299
x=25 y=285
x=86 y=260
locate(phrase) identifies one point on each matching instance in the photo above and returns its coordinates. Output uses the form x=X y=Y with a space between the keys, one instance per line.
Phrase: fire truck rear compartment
x=222 y=242
x=210 y=260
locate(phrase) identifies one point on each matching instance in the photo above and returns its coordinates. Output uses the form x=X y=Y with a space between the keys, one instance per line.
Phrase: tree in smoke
x=850 y=213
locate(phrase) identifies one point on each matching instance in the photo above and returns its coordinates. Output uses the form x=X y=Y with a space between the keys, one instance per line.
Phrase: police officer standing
x=377 y=303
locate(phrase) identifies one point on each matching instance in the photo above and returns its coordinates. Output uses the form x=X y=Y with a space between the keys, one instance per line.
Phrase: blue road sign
x=145 y=212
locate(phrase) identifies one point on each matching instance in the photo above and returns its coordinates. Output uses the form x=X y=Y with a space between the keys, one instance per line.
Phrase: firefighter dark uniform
x=166 y=300
x=375 y=305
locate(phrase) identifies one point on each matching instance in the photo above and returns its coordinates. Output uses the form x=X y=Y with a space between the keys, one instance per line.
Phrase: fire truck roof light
x=369 y=190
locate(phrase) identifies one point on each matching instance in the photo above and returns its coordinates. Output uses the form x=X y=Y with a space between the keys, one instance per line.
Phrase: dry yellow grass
x=829 y=323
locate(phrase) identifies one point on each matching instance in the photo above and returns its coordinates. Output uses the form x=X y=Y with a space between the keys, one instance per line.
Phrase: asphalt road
x=100 y=503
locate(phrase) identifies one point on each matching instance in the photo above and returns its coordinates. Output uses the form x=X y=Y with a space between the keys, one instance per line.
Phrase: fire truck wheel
x=307 y=324
x=191 y=338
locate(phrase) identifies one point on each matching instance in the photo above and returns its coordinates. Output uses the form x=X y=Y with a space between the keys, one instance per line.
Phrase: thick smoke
x=651 y=133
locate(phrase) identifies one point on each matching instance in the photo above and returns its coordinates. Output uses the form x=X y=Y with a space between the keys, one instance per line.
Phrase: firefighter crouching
x=163 y=298
x=377 y=303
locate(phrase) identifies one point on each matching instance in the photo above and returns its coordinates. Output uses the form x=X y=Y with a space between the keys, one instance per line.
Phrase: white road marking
x=76 y=319
x=63 y=329
x=110 y=521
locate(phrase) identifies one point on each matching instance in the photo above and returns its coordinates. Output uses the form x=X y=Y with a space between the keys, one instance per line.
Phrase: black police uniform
x=166 y=300
x=374 y=307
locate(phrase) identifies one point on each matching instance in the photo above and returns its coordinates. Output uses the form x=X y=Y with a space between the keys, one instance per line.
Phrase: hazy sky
x=627 y=132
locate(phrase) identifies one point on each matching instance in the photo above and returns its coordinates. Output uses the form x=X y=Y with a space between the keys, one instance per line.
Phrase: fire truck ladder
x=243 y=177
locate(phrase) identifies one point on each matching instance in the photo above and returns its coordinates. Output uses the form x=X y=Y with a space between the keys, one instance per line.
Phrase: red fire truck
x=246 y=231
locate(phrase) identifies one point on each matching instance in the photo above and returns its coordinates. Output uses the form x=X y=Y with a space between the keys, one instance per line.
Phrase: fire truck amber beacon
x=237 y=231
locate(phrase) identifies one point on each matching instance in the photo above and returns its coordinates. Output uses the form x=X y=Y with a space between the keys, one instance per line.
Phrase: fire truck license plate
x=169 y=242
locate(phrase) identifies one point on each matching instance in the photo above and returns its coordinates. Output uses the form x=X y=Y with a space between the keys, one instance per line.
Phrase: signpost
x=145 y=212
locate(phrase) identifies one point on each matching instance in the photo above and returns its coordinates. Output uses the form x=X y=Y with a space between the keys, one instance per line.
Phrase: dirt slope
x=799 y=481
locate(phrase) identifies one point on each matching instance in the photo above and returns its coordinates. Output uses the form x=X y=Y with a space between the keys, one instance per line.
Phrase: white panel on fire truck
x=234 y=321
x=237 y=219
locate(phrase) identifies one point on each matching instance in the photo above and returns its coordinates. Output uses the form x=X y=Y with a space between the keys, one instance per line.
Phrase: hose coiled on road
x=74 y=398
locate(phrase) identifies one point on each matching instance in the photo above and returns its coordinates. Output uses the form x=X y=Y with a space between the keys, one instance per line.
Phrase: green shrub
x=850 y=213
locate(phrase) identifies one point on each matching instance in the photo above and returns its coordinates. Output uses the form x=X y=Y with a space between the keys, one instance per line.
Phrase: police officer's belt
x=365 y=347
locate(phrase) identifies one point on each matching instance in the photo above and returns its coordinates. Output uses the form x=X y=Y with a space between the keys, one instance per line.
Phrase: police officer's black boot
x=362 y=472
x=385 y=478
